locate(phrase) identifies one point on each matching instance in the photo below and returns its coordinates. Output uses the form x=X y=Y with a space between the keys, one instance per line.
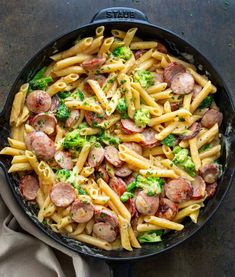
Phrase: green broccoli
x=183 y=160
x=151 y=236
x=39 y=74
x=80 y=190
x=144 y=77
x=78 y=94
x=151 y=185
x=62 y=112
x=205 y=147
x=206 y=102
x=40 y=83
x=170 y=141
x=130 y=187
x=64 y=94
x=122 y=52
x=106 y=138
x=73 y=140
x=62 y=175
x=126 y=195
x=122 y=107
x=142 y=117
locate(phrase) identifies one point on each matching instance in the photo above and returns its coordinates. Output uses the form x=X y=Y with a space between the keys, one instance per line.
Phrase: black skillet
x=125 y=18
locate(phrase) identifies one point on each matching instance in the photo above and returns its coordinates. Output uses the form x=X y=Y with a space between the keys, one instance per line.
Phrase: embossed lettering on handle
x=120 y=14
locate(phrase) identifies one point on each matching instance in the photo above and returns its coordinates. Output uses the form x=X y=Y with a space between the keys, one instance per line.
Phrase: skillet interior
x=176 y=46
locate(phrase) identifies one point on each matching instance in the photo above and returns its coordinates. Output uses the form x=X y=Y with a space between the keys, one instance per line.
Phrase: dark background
x=26 y=26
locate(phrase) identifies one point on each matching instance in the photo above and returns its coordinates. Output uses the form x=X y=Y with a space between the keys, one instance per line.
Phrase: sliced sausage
x=29 y=186
x=167 y=209
x=105 y=231
x=130 y=205
x=129 y=179
x=199 y=188
x=134 y=146
x=93 y=63
x=54 y=103
x=146 y=205
x=93 y=119
x=196 y=90
x=158 y=77
x=45 y=123
x=129 y=127
x=211 y=117
x=171 y=70
x=118 y=185
x=38 y=101
x=43 y=147
x=178 y=190
x=210 y=173
x=161 y=48
x=102 y=173
x=30 y=137
x=64 y=159
x=62 y=194
x=82 y=211
x=174 y=106
x=182 y=83
x=123 y=171
x=106 y=216
x=211 y=189
x=112 y=156
x=73 y=118
x=193 y=131
x=139 y=53
x=149 y=138
x=96 y=155
x=99 y=78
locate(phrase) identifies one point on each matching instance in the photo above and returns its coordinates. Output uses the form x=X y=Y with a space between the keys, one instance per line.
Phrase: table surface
x=26 y=26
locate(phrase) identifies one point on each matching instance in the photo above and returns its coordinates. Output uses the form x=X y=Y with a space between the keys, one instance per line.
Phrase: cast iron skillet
x=125 y=18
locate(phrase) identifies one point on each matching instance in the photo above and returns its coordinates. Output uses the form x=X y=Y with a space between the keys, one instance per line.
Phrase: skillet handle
x=118 y=269
x=119 y=14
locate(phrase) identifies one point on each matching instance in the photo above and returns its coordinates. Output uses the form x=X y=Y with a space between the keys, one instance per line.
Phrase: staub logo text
x=120 y=14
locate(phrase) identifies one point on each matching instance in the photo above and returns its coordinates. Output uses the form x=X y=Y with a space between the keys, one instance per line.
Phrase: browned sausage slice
x=30 y=137
x=149 y=138
x=38 y=101
x=54 y=103
x=93 y=119
x=73 y=118
x=210 y=173
x=45 y=123
x=167 y=209
x=112 y=156
x=29 y=186
x=99 y=78
x=106 y=216
x=171 y=70
x=82 y=211
x=129 y=127
x=118 y=185
x=105 y=231
x=211 y=189
x=130 y=205
x=139 y=53
x=123 y=171
x=196 y=90
x=192 y=132
x=129 y=179
x=199 y=188
x=211 y=117
x=64 y=159
x=146 y=205
x=182 y=83
x=158 y=77
x=161 y=48
x=102 y=173
x=178 y=190
x=96 y=155
x=134 y=146
x=93 y=63
x=174 y=106
x=62 y=194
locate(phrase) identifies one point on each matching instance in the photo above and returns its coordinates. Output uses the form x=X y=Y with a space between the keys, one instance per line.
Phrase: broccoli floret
x=80 y=190
x=206 y=102
x=39 y=74
x=106 y=138
x=205 y=147
x=64 y=94
x=151 y=185
x=40 y=83
x=73 y=140
x=62 y=175
x=122 y=105
x=131 y=186
x=183 y=160
x=62 y=112
x=78 y=94
x=170 y=140
x=123 y=52
x=144 y=77
x=142 y=117
x=126 y=195
x=150 y=236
